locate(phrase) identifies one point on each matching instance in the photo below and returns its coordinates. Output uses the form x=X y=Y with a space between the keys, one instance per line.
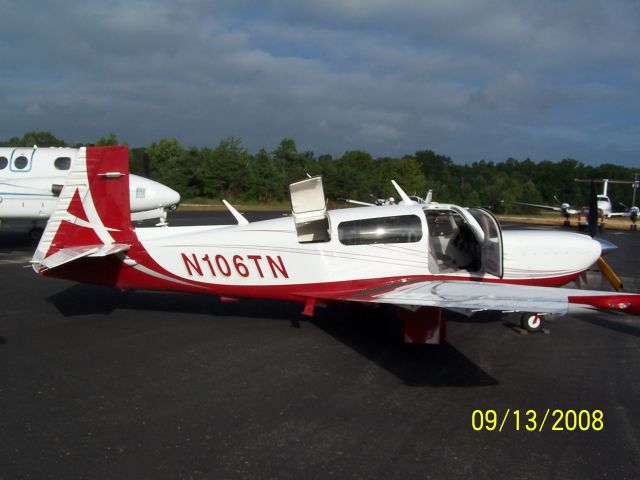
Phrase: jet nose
x=605 y=246
x=148 y=194
x=165 y=196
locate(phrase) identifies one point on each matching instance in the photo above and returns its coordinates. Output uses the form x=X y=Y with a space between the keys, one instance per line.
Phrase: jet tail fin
x=92 y=217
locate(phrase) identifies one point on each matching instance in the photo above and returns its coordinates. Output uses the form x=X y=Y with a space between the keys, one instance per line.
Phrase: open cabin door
x=309 y=210
x=492 y=255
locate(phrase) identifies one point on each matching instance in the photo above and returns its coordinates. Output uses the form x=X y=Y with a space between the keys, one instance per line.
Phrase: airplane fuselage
x=266 y=259
x=604 y=204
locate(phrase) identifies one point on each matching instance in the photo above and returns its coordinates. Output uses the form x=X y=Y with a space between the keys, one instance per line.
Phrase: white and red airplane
x=31 y=179
x=419 y=258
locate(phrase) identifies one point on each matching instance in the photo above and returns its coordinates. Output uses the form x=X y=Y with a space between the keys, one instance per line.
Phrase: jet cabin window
x=20 y=163
x=62 y=163
x=3 y=163
x=401 y=229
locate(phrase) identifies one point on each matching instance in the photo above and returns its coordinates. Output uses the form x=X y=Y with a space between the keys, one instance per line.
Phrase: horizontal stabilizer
x=66 y=255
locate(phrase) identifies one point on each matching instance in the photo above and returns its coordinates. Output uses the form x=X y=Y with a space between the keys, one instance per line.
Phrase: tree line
x=230 y=171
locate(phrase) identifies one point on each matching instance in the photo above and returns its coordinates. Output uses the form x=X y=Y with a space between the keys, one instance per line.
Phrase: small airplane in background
x=31 y=180
x=632 y=212
x=418 y=259
x=603 y=202
x=563 y=208
x=382 y=202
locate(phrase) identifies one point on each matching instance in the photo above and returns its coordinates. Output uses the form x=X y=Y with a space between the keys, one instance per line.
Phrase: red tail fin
x=93 y=216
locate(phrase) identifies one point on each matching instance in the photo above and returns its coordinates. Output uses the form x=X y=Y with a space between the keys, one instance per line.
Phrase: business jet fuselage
x=31 y=180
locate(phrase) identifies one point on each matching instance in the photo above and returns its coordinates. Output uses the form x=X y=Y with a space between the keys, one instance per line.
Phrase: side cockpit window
x=62 y=163
x=3 y=163
x=396 y=229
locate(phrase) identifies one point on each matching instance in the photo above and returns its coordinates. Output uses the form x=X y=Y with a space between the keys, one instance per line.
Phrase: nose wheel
x=531 y=322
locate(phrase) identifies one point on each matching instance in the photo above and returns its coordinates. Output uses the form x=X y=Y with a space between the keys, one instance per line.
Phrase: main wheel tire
x=531 y=322
x=36 y=233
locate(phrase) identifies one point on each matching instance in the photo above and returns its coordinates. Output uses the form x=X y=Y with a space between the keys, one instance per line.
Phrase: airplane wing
x=357 y=202
x=570 y=211
x=619 y=214
x=470 y=295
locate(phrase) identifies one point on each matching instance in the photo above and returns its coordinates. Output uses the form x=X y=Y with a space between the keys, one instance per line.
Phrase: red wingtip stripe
x=621 y=303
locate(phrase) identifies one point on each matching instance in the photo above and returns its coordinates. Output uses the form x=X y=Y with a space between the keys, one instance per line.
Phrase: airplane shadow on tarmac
x=371 y=333
x=610 y=324
x=16 y=240
x=377 y=335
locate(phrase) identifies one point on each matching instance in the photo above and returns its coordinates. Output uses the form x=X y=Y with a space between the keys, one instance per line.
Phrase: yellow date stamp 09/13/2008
x=556 y=420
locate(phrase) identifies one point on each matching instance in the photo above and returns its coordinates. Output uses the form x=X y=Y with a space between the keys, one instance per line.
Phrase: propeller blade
x=610 y=275
x=606 y=246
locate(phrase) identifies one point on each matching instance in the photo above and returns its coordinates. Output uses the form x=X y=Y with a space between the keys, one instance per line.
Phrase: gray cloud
x=469 y=79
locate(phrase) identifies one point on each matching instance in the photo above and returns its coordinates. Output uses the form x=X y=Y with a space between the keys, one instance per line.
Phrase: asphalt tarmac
x=96 y=383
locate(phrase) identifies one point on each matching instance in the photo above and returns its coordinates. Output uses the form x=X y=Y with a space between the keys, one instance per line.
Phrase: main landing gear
x=531 y=322
x=426 y=325
x=35 y=233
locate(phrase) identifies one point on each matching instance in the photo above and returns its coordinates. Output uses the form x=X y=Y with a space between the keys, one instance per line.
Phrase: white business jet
x=31 y=180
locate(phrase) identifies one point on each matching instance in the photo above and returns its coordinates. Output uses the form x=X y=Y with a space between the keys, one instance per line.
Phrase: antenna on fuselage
x=237 y=215
x=403 y=195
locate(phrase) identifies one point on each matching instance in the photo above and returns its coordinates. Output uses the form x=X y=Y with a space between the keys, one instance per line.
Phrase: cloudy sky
x=544 y=79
